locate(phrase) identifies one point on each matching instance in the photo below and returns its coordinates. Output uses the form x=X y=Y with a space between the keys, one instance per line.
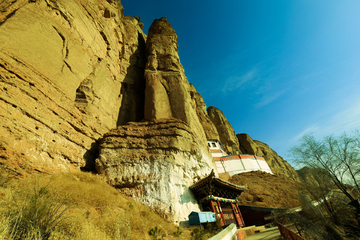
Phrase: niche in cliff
x=132 y=91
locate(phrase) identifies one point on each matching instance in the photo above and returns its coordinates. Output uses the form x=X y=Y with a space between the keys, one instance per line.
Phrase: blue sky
x=277 y=69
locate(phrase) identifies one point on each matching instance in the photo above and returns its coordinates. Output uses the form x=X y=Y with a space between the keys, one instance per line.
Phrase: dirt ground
x=267 y=190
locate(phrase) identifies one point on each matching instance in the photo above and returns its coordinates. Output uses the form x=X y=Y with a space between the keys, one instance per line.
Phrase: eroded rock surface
x=69 y=72
x=155 y=162
x=226 y=132
x=277 y=164
x=167 y=93
x=208 y=126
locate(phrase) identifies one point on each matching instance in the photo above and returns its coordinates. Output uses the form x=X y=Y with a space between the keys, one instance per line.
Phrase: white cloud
x=268 y=98
x=346 y=120
x=234 y=83
x=310 y=129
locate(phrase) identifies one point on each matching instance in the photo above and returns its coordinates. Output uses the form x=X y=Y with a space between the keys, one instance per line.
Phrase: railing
x=229 y=233
x=287 y=233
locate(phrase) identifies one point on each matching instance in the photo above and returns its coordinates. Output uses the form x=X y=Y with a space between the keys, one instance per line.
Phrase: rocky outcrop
x=69 y=72
x=277 y=164
x=167 y=93
x=247 y=145
x=155 y=162
x=208 y=126
x=225 y=130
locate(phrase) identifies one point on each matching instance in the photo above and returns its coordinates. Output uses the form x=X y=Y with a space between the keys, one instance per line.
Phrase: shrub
x=36 y=217
x=198 y=234
x=156 y=233
x=178 y=232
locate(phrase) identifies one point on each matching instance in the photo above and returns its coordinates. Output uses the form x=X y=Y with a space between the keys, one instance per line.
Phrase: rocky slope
x=69 y=72
x=267 y=190
x=277 y=164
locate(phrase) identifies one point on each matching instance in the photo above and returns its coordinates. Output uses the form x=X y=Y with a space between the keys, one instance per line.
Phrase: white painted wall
x=235 y=164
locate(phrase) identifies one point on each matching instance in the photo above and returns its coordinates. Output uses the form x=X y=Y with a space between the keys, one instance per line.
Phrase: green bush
x=156 y=233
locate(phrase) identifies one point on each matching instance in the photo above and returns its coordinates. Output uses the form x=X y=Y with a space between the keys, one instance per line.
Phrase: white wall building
x=234 y=164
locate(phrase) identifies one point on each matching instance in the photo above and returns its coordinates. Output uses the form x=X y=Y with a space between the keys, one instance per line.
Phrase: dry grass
x=95 y=210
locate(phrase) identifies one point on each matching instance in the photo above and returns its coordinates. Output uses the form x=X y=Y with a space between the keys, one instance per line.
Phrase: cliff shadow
x=90 y=156
x=133 y=86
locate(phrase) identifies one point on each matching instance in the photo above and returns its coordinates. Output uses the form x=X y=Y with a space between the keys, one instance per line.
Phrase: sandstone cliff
x=157 y=160
x=208 y=126
x=74 y=73
x=167 y=93
x=226 y=132
x=276 y=163
x=69 y=72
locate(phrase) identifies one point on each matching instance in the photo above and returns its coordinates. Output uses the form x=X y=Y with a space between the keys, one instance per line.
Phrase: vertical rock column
x=156 y=160
x=167 y=93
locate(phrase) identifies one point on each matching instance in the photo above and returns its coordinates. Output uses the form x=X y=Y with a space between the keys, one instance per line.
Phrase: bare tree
x=337 y=156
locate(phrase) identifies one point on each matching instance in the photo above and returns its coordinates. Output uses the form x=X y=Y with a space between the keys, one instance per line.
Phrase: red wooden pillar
x=237 y=213
x=221 y=212
x=215 y=208
x=241 y=218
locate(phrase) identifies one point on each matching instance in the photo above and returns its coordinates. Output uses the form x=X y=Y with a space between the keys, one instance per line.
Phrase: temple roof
x=212 y=186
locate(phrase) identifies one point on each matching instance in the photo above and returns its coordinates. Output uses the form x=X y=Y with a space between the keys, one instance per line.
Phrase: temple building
x=219 y=196
x=229 y=165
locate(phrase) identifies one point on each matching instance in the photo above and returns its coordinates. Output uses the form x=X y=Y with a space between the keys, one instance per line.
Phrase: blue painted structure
x=201 y=217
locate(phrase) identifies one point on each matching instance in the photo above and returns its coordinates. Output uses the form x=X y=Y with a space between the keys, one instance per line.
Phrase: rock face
x=155 y=162
x=69 y=72
x=167 y=93
x=225 y=130
x=208 y=126
x=276 y=163
x=72 y=70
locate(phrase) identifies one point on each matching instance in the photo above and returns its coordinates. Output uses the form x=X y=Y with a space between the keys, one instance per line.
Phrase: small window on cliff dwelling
x=209 y=145
x=213 y=144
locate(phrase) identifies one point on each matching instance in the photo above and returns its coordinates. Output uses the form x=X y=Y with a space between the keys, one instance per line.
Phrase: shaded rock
x=155 y=162
x=247 y=145
x=225 y=130
x=277 y=164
